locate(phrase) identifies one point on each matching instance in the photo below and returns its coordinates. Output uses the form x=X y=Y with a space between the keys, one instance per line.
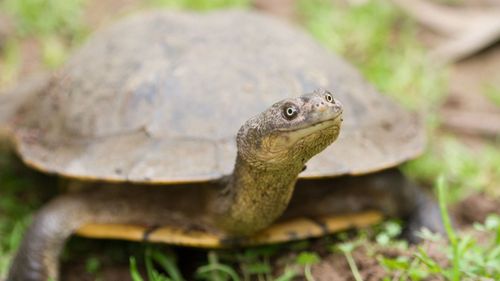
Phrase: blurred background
x=439 y=58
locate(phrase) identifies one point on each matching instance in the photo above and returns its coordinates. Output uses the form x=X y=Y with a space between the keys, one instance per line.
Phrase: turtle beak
x=335 y=107
x=327 y=110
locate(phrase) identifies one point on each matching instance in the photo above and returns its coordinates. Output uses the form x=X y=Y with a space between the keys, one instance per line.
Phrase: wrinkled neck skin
x=270 y=157
x=255 y=196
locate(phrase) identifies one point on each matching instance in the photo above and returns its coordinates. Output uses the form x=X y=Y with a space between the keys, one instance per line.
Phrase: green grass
x=347 y=248
x=165 y=260
x=383 y=44
x=200 y=5
x=245 y=265
x=464 y=257
x=13 y=216
x=57 y=25
x=492 y=93
x=10 y=61
x=468 y=170
x=46 y=17
x=17 y=202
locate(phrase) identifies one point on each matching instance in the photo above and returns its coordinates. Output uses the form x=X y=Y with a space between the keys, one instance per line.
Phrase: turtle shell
x=160 y=96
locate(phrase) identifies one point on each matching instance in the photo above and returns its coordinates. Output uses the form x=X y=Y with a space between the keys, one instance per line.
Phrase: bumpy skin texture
x=272 y=151
x=388 y=191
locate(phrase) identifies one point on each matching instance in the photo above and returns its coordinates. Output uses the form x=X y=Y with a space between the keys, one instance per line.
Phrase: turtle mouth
x=316 y=128
x=334 y=121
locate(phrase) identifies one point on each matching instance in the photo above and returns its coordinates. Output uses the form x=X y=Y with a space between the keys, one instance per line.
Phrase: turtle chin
x=311 y=141
x=311 y=135
x=296 y=147
x=291 y=131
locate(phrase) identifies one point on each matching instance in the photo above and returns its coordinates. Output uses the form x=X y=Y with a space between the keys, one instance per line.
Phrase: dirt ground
x=335 y=267
x=463 y=113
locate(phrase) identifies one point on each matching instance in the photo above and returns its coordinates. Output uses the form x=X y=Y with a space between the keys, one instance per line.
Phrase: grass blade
x=452 y=236
x=134 y=273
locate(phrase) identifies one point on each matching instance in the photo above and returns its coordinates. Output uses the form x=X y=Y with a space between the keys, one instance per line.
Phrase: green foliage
x=466 y=169
x=452 y=236
x=390 y=231
x=134 y=271
x=201 y=5
x=58 y=25
x=46 y=17
x=15 y=209
x=382 y=43
x=166 y=261
x=465 y=258
x=245 y=265
x=21 y=192
x=307 y=259
x=255 y=262
x=10 y=62
x=492 y=93
x=216 y=271
x=54 y=51
x=92 y=266
x=347 y=248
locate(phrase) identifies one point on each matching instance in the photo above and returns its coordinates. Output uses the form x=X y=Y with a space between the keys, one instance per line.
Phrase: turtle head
x=291 y=131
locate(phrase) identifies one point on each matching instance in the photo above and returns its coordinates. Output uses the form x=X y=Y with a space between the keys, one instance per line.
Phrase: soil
x=99 y=12
x=6 y=29
x=474 y=208
x=285 y=9
x=467 y=109
x=335 y=267
x=111 y=272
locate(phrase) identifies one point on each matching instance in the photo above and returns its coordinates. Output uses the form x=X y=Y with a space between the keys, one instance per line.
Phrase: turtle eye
x=290 y=112
x=329 y=97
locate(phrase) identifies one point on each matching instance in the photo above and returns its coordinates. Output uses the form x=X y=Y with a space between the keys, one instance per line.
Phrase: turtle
x=217 y=129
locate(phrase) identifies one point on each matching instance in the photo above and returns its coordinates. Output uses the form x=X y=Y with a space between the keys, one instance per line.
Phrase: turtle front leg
x=38 y=256
x=388 y=191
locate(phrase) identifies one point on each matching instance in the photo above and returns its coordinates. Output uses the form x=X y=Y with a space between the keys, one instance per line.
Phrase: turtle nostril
x=337 y=104
x=321 y=107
